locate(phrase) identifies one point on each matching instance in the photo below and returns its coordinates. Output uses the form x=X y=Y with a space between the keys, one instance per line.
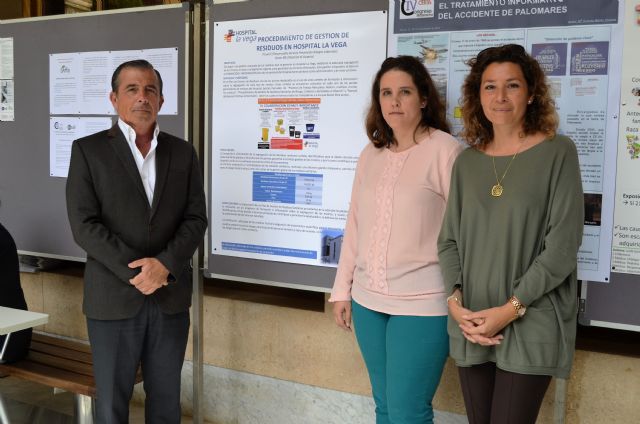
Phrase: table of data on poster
x=299 y=189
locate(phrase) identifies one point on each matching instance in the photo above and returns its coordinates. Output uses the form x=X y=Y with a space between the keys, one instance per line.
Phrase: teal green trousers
x=405 y=356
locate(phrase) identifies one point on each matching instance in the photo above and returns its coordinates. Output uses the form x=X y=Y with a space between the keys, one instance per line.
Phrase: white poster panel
x=578 y=44
x=7 y=102
x=7 y=105
x=80 y=83
x=6 y=58
x=626 y=229
x=289 y=100
x=62 y=132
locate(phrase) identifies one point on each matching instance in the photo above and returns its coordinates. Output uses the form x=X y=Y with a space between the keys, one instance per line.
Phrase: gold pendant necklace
x=497 y=189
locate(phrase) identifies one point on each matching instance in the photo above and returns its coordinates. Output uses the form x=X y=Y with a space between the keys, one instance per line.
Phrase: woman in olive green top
x=509 y=240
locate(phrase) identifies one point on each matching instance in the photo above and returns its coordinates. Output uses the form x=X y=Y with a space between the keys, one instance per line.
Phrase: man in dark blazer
x=136 y=205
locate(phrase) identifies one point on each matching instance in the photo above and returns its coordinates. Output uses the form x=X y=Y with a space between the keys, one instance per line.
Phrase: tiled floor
x=24 y=402
x=449 y=418
x=30 y=403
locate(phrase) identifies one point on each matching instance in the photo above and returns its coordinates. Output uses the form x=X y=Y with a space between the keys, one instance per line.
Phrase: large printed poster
x=289 y=101
x=579 y=45
x=626 y=230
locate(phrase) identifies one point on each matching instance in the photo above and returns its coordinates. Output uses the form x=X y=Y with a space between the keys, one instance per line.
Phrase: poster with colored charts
x=578 y=44
x=626 y=225
x=289 y=100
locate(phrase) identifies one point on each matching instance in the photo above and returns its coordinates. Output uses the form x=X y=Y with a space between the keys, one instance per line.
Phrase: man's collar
x=130 y=134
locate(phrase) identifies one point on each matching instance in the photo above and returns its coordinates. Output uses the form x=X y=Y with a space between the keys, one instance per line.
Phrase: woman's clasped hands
x=482 y=327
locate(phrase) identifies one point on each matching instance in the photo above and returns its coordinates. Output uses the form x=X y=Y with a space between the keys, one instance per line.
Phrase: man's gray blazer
x=112 y=221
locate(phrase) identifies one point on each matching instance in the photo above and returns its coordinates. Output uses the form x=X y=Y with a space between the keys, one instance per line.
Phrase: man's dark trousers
x=115 y=345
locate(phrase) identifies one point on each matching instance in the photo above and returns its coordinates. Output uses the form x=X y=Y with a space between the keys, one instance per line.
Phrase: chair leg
x=83 y=409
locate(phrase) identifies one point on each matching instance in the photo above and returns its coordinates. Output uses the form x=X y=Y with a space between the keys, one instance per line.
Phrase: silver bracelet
x=454 y=297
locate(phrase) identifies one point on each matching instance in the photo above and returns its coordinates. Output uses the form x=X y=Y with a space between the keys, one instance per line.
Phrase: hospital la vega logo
x=241 y=36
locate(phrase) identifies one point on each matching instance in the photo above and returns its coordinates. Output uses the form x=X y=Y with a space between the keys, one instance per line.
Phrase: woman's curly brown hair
x=541 y=113
x=433 y=114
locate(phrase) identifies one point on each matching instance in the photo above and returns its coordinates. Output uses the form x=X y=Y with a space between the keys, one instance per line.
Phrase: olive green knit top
x=523 y=243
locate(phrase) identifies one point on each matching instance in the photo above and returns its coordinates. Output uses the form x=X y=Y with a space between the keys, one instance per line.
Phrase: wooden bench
x=61 y=364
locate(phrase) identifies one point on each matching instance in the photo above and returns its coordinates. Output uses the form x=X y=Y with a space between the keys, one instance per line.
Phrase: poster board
x=32 y=202
x=612 y=305
x=289 y=89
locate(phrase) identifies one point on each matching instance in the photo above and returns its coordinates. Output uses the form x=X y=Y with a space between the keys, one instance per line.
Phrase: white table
x=15 y=320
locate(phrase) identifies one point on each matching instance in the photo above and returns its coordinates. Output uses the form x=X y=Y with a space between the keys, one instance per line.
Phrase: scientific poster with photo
x=289 y=100
x=579 y=46
x=80 y=83
x=626 y=225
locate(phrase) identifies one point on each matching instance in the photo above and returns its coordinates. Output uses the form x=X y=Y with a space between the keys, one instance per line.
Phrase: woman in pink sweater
x=388 y=275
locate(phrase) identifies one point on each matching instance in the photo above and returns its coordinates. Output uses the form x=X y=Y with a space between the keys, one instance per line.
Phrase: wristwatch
x=518 y=306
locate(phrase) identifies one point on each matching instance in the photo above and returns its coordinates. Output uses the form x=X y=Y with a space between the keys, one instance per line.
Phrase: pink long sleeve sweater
x=389 y=259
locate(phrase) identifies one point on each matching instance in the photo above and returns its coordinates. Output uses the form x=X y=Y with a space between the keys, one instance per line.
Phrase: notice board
x=290 y=83
x=32 y=202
